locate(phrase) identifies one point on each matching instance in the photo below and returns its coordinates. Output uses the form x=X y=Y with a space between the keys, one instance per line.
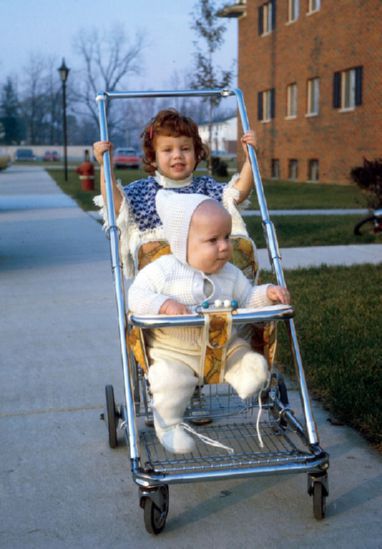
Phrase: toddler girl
x=172 y=151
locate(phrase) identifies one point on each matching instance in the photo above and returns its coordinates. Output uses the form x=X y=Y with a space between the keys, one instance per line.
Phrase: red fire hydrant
x=86 y=173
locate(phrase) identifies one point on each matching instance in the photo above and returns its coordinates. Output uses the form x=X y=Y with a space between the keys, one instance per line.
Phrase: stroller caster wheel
x=155 y=504
x=319 y=489
x=111 y=416
x=319 y=501
x=149 y=422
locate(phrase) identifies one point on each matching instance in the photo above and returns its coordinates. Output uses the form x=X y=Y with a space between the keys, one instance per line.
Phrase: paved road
x=60 y=484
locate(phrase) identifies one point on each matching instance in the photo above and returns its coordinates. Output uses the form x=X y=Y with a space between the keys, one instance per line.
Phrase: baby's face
x=174 y=156
x=209 y=247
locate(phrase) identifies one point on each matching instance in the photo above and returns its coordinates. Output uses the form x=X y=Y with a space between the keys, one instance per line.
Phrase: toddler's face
x=174 y=156
x=209 y=247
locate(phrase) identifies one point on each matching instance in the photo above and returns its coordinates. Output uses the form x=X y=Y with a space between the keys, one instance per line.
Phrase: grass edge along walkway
x=338 y=312
x=292 y=231
x=280 y=195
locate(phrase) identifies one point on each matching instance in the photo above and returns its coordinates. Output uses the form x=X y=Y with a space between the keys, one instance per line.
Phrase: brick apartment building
x=311 y=73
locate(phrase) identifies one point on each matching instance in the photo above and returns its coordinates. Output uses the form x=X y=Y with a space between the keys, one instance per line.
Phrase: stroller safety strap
x=216 y=334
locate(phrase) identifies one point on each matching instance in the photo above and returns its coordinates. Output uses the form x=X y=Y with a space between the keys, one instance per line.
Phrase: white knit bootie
x=248 y=374
x=171 y=386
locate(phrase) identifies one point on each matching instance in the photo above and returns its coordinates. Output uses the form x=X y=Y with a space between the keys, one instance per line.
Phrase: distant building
x=311 y=73
x=224 y=134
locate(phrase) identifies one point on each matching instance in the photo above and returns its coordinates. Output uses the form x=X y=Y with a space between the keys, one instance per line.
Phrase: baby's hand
x=248 y=138
x=278 y=294
x=172 y=307
x=99 y=148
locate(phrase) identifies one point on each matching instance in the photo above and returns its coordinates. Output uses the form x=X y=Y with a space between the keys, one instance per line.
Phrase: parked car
x=51 y=156
x=25 y=155
x=224 y=155
x=126 y=158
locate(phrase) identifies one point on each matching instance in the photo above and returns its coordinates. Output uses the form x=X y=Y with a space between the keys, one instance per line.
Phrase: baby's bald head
x=208 y=246
x=209 y=210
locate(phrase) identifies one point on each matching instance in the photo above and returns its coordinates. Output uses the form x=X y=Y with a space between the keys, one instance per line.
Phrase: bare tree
x=35 y=103
x=53 y=91
x=210 y=32
x=11 y=125
x=109 y=59
x=40 y=105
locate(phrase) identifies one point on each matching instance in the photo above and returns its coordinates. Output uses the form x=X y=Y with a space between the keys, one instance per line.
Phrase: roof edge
x=236 y=11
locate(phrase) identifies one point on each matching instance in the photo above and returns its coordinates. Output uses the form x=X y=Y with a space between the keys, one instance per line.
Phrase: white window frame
x=348 y=83
x=314 y=6
x=293 y=10
x=267 y=18
x=292 y=101
x=267 y=107
x=313 y=97
x=292 y=162
x=275 y=162
x=315 y=170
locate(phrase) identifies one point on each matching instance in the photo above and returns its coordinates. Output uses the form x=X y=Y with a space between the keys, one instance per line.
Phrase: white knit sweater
x=168 y=278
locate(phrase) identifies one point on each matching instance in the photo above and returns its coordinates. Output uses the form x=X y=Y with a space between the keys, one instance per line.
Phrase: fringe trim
x=230 y=198
x=131 y=238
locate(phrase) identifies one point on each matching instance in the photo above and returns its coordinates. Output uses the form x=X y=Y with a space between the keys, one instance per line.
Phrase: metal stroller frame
x=291 y=446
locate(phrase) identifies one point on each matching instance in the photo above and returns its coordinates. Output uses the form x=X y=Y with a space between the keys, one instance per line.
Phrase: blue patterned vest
x=140 y=196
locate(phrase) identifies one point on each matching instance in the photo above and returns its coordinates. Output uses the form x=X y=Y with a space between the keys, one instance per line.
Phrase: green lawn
x=311 y=230
x=72 y=187
x=286 y=195
x=338 y=322
x=291 y=230
x=279 y=194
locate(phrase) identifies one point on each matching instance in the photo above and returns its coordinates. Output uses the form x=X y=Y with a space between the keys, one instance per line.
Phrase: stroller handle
x=139 y=94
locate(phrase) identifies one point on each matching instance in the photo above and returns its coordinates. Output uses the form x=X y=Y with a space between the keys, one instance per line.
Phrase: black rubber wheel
x=319 y=501
x=283 y=391
x=111 y=416
x=369 y=225
x=155 y=518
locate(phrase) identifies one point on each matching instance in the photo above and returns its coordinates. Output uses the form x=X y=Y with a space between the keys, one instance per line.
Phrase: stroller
x=248 y=446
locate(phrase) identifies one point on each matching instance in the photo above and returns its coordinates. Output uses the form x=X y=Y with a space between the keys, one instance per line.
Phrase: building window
x=293 y=169
x=313 y=97
x=347 y=89
x=313 y=169
x=266 y=105
x=275 y=168
x=314 y=5
x=267 y=17
x=293 y=10
x=292 y=100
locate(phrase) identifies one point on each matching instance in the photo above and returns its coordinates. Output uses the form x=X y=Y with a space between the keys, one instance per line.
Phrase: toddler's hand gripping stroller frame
x=153 y=480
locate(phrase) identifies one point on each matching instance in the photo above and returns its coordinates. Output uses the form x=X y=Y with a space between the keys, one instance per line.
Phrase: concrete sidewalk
x=314 y=256
x=60 y=484
x=334 y=211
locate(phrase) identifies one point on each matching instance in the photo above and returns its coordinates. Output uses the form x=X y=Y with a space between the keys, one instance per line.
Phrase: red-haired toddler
x=172 y=151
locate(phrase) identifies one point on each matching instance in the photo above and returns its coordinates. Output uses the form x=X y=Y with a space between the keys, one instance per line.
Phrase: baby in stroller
x=197 y=271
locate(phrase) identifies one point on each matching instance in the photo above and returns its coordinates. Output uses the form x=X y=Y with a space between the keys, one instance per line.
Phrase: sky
x=48 y=27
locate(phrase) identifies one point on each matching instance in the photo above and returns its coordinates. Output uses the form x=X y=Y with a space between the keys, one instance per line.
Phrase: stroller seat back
x=243 y=254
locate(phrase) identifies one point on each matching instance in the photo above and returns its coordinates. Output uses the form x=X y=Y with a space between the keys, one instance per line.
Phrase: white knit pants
x=173 y=377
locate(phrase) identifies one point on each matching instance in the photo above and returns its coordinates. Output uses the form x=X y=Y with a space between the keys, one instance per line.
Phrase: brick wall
x=343 y=34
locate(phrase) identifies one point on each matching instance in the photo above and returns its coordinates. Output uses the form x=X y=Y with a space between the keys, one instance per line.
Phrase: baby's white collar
x=168 y=183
